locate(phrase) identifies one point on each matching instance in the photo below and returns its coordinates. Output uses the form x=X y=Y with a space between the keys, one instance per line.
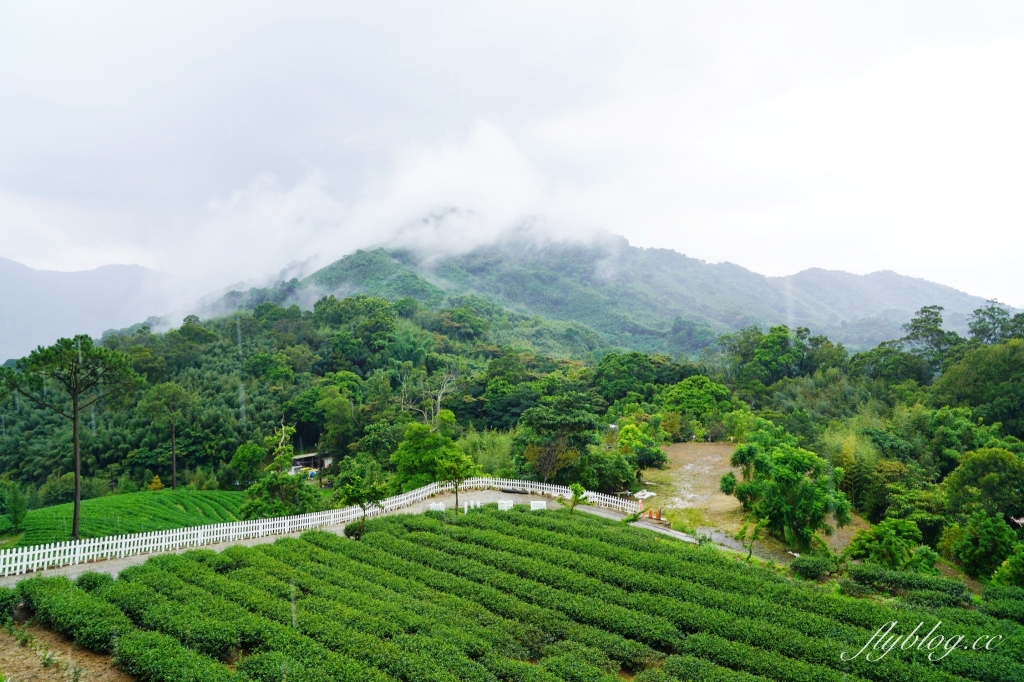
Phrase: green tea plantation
x=519 y=596
x=134 y=513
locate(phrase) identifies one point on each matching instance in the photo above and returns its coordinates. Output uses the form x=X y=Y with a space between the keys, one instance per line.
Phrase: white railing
x=21 y=560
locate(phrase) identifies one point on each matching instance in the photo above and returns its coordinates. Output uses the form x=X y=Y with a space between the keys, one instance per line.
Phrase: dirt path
x=47 y=657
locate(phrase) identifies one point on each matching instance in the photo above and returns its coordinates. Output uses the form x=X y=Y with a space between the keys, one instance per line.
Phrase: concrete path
x=114 y=566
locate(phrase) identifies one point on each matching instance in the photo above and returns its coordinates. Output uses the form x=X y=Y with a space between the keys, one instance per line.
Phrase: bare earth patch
x=26 y=663
x=687 y=492
x=842 y=537
x=687 y=489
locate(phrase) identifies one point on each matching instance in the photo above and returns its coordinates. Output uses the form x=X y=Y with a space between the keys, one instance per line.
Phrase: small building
x=309 y=461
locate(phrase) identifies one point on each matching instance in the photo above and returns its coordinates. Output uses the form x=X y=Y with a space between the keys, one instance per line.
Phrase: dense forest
x=920 y=435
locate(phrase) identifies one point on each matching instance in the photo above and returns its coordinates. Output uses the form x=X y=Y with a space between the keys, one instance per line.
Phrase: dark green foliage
x=619 y=374
x=153 y=657
x=9 y=598
x=893 y=543
x=982 y=544
x=90 y=581
x=988 y=478
x=1011 y=573
x=895 y=581
x=990 y=380
x=812 y=566
x=69 y=611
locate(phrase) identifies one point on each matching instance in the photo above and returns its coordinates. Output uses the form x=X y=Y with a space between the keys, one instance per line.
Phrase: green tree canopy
x=278 y=493
x=168 y=406
x=248 y=461
x=84 y=374
x=619 y=374
x=361 y=483
x=422 y=448
x=794 y=491
x=454 y=467
x=990 y=380
x=696 y=397
x=982 y=543
x=991 y=479
x=566 y=416
x=890 y=543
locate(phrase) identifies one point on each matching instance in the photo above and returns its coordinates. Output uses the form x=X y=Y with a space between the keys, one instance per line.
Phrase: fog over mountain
x=644 y=298
x=221 y=141
x=648 y=299
x=39 y=306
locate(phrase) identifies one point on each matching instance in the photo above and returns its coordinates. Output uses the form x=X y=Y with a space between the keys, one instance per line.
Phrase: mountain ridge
x=645 y=298
x=40 y=306
x=651 y=299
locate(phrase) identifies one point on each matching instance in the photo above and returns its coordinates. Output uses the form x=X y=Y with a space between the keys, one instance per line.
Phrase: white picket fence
x=38 y=557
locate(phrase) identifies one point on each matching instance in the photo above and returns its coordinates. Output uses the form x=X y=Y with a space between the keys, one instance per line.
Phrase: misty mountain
x=39 y=306
x=647 y=299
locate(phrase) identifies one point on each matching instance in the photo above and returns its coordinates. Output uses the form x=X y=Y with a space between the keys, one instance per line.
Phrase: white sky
x=222 y=141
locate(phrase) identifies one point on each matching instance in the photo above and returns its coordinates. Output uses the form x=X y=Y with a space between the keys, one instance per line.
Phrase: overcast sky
x=221 y=141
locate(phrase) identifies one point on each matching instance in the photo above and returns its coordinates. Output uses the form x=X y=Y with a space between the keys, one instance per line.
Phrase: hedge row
x=553 y=624
x=8 y=601
x=276 y=635
x=695 y=618
x=884 y=578
x=152 y=611
x=976 y=665
x=413 y=614
x=1012 y=609
x=72 y=612
x=651 y=630
x=155 y=657
x=345 y=630
x=98 y=625
x=685 y=667
x=759 y=662
x=622 y=575
x=273 y=666
x=863 y=613
x=389 y=619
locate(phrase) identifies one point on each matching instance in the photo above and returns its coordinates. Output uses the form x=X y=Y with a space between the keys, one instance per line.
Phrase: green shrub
x=1012 y=609
x=93 y=580
x=9 y=599
x=894 y=581
x=999 y=591
x=931 y=598
x=983 y=543
x=153 y=657
x=812 y=566
x=91 y=622
x=685 y=667
x=273 y=666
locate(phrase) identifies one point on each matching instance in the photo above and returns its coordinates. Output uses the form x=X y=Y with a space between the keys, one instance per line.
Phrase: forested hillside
x=652 y=300
x=920 y=435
